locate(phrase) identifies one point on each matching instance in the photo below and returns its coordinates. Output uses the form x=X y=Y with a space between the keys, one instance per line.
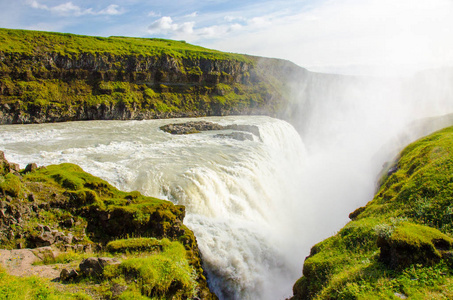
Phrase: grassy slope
x=31 y=81
x=161 y=261
x=400 y=242
x=36 y=42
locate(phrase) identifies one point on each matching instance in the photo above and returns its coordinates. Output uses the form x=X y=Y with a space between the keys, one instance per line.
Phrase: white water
x=239 y=195
x=256 y=207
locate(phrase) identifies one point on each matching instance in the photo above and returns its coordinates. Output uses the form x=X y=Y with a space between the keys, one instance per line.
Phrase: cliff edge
x=54 y=77
x=90 y=239
x=400 y=245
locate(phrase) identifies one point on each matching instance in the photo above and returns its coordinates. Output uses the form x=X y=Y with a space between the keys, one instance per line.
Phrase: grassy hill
x=400 y=245
x=50 y=77
x=38 y=42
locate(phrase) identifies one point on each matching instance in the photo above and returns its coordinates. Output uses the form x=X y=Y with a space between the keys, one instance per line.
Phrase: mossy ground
x=399 y=244
x=159 y=255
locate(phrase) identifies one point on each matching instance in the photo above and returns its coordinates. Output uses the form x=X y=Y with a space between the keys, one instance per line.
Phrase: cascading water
x=238 y=194
x=257 y=206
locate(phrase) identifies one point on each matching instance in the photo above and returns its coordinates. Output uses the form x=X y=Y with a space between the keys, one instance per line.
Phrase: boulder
x=30 y=168
x=94 y=266
x=66 y=275
x=410 y=244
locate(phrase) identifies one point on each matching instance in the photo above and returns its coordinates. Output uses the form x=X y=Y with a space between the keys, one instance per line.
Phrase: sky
x=334 y=36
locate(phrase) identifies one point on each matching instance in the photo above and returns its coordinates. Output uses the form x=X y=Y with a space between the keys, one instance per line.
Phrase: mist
x=351 y=127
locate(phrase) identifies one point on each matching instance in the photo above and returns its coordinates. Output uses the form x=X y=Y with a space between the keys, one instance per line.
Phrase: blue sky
x=345 y=36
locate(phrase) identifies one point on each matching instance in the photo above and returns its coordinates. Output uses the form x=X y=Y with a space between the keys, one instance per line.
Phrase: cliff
x=53 y=77
x=400 y=245
x=100 y=241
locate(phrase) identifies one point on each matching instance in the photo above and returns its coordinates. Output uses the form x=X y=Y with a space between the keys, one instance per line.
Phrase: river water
x=240 y=196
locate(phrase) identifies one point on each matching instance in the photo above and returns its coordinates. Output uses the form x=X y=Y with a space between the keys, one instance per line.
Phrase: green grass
x=164 y=274
x=399 y=242
x=35 y=42
x=134 y=245
x=25 y=288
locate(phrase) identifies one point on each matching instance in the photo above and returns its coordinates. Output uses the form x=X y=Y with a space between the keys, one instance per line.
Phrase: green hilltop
x=37 y=42
x=54 y=77
x=400 y=245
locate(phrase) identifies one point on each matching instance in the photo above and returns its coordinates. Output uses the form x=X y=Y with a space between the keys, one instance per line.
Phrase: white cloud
x=111 y=10
x=165 y=25
x=69 y=9
x=192 y=15
x=340 y=33
x=154 y=14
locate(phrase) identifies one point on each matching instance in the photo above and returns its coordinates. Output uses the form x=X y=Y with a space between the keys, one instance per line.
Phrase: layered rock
x=44 y=82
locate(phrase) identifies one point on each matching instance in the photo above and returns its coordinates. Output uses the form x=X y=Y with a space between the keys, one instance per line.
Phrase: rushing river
x=239 y=195
x=256 y=206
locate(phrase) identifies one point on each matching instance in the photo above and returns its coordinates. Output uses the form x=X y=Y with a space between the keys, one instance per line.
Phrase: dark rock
x=30 y=168
x=356 y=213
x=94 y=266
x=66 y=275
x=31 y=198
x=68 y=223
x=45 y=239
x=66 y=238
x=240 y=136
x=191 y=127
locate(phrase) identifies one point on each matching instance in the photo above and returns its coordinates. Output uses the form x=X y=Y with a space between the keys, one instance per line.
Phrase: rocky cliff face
x=45 y=85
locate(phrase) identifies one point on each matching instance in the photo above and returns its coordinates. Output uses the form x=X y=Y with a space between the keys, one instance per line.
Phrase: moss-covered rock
x=399 y=244
x=62 y=206
x=46 y=77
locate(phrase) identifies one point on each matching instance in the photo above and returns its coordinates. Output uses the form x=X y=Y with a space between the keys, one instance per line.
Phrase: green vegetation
x=50 y=77
x=16 y=288
x=163 y=274
x=36 y=42
x=399 y=244
x=77 y=213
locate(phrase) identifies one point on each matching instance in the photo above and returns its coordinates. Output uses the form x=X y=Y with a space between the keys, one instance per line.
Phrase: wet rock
x=191 y=127
x=240 y=136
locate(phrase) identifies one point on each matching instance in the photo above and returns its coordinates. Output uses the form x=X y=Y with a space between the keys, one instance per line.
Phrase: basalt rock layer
x=52 y=77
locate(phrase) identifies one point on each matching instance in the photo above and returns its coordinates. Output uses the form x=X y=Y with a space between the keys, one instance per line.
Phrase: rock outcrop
x=91 y=78
x=61 y=211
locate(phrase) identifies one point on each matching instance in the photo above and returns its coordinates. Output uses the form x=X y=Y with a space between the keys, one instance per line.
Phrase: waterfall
x=257 y=206
x=239 y=195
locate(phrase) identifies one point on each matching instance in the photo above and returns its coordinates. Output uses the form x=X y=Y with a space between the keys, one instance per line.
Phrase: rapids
x=240 y=196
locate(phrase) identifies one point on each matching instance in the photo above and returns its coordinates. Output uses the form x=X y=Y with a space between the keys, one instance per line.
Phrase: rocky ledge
x=240 y=132
x=62 y=218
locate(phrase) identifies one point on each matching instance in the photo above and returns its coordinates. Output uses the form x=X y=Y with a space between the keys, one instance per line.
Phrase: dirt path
x=19 y=262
